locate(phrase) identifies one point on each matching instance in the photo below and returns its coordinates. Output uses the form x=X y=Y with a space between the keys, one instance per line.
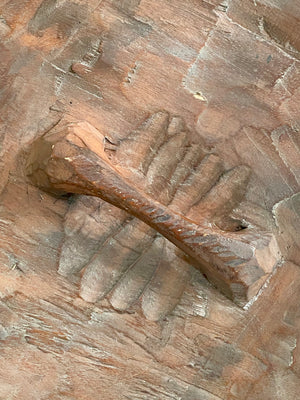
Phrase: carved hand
x=117 y=253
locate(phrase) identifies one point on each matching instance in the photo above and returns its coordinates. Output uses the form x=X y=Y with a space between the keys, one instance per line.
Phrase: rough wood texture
x=230 y=69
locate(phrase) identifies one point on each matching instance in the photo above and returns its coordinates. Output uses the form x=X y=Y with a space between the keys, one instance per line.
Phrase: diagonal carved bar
x=73 y=160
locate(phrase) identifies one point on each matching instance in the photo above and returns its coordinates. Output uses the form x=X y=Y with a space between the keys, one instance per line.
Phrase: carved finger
x=226 y=195
x=190 y=161
x=76 y=249
x=140 y=147
x=128 y=290
x=197 y=184
x=160 y=171
x=167 y=286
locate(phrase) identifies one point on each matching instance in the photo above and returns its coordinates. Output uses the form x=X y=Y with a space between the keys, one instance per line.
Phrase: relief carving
x=176 y=190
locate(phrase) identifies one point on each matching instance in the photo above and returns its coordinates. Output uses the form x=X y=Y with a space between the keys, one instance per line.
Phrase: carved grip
x=64 y=163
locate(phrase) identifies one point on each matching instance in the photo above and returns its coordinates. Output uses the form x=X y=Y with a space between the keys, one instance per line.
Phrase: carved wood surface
x=231 y=71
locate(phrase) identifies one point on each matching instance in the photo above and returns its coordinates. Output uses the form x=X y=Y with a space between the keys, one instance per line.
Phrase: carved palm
x=122 y=257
